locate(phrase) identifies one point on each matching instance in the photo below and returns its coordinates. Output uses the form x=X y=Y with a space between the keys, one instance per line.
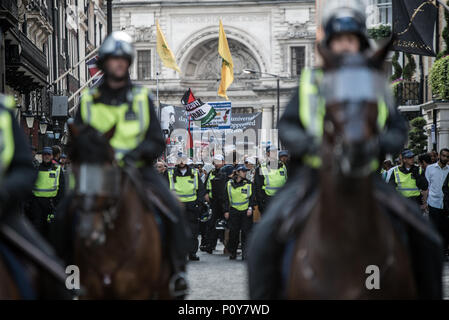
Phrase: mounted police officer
x=186 y=184
x=48 y=191
x=137 y=138
x=16 y=168
x=302 y=122
x=408 y=178
x=301 y=130
x=269 y=178
x=238 y=207
x=17 y=236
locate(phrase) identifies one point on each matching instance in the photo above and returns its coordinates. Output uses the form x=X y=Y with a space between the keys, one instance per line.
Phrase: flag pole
x=157 y=88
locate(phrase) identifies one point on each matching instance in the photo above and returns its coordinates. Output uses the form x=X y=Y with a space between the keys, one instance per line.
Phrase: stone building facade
x=275 y=37
x=40 y=40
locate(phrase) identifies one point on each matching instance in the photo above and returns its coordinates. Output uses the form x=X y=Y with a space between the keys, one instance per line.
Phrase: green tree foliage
x=397 y=69
x=410 y=68
x=417 y=137
x=380 y=32
x=439 y=78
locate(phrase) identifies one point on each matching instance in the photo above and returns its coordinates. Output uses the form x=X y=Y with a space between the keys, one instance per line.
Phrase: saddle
x=301 y=194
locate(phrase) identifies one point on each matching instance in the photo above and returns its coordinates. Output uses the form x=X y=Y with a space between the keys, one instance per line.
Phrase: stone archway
x=204 y=63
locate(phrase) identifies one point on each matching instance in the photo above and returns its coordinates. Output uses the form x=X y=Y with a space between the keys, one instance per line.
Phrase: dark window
x=298 y=60
x=385 y=11
x=144 y=64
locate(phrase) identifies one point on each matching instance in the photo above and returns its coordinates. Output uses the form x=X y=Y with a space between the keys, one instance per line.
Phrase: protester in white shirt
x=436 y=174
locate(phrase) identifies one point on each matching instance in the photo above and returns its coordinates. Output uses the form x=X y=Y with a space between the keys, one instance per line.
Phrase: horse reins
x=107 y=277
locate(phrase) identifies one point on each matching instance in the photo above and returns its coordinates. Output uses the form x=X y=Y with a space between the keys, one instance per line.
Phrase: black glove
x=131 y=158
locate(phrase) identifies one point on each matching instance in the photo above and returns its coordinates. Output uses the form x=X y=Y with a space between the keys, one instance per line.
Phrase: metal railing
x=33 y=54
x=408 y=93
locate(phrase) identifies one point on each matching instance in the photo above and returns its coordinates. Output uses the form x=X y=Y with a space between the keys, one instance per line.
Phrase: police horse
x=117 y=243
x=348 y=235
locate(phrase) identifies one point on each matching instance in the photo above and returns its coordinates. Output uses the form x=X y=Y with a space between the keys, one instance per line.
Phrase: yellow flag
x=164 y=52
x=227 y=66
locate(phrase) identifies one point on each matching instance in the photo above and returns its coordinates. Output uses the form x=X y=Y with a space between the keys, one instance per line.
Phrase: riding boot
x=178 y=239
x=178 y=285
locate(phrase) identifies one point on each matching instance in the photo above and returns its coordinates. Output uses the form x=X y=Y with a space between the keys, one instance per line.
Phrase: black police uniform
x=216 y=201
x=192 y=210
x=238 y=219
x=263 y=200
x=421 y=181
x=41 y=207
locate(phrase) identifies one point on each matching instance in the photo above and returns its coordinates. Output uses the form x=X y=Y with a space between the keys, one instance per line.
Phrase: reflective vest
x=132 y=122
x=185 y=187
x=47 y=183
x=7 y=144
x=274 y=179
x=239 y=197
x=209 y=183
x=406 y=185
x=312 y=110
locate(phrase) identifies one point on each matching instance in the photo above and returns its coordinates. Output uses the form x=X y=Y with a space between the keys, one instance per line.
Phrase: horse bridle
x=99 y=182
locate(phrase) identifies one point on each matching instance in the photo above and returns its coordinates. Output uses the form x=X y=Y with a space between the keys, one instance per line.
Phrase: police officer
x=199 y=165
x=137 y=138
x=189 y=188
x=269 y=178
x=47 y=193
x=408 y=179
x=17 y=178
x=300 y=131
x=226 y=173
x=238 y=206
x=214 y=190
x=285 y=159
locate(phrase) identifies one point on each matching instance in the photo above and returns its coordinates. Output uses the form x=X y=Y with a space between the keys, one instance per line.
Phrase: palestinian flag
x=196 y=109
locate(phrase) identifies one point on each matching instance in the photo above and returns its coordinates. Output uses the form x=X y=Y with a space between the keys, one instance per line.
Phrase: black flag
x=413 y=26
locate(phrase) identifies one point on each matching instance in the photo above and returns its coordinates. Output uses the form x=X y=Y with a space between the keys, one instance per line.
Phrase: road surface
x=215 y=277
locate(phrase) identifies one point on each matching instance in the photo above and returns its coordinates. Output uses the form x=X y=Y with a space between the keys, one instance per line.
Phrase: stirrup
x=172 y=282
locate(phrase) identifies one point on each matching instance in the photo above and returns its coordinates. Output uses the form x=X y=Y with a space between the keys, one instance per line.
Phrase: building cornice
x=189 y=3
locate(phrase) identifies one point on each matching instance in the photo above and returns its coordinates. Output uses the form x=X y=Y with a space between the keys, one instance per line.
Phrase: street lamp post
x=278 y=79
x=29 y=119
x=43 y=125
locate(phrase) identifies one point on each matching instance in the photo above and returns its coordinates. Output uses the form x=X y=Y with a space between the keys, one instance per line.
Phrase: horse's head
x=97 y=179
x=356 y=96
